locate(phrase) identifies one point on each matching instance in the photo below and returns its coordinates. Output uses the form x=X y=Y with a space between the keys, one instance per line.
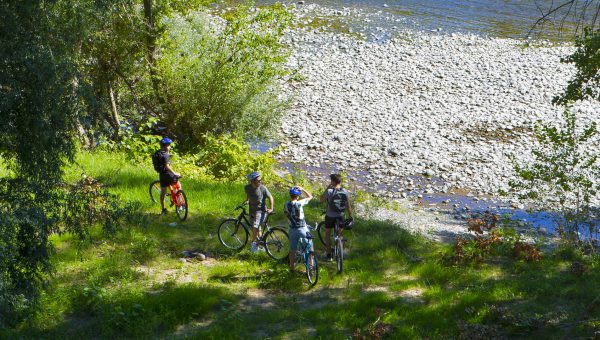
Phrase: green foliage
x=37 y=93
x=229 y=158
x=26 y=225
x=138 y=145
x=220 y=75
x=562 y=174
x=586 y=83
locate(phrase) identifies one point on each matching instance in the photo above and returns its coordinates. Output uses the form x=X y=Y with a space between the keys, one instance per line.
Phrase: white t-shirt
x=299 y=205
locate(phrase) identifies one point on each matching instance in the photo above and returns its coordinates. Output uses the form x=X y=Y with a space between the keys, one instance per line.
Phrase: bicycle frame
x=173 y=188
x=336 y=231
x=263 y=228
x=304 y=249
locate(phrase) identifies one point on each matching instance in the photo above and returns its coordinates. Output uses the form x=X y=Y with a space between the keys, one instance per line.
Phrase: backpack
x=158 y=167
x=293 y=214
x=338 y=200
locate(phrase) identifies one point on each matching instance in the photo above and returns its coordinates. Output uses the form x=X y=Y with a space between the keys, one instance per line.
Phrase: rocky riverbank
x=450 y=106
x=428 y=115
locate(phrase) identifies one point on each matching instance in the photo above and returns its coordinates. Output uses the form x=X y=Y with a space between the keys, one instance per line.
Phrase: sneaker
x=164 y=211
x=253 y=248
x=329 y=258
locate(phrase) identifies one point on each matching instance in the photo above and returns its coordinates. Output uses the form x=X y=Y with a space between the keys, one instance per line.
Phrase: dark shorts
x=330 y=221
x=167 y=179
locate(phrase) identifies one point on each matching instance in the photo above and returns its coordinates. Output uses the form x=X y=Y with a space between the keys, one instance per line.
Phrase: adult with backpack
x=161 y=160
x=338 y=204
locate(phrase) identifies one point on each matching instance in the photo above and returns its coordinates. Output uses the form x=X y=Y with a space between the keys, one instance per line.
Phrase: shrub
x=500 y=239
x=561 y=177
x=229 y=158
x=220 y=75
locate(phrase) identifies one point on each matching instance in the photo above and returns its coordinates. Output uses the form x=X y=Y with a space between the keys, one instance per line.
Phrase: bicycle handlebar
x=241 y=206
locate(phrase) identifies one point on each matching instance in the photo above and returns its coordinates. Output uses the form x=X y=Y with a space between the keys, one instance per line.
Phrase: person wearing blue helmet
x=256 y=197
x=294 y=210
x=161 y=160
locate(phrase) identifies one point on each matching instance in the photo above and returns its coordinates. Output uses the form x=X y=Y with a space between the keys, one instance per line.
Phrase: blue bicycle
x=307 y=256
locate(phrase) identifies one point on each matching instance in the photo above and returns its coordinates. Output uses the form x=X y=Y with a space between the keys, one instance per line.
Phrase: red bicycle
x=178 y=198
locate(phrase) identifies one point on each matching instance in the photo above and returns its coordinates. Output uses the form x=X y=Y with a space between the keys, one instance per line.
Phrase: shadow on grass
x=389 y=275
x=137 y=314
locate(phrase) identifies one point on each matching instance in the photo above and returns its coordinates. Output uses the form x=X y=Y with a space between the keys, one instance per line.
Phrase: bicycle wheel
x=154 y=191
x=232 y=234
x=339 y=254
x=277 y=243
x=312 y=268
x=181 y=205
x=321 y=231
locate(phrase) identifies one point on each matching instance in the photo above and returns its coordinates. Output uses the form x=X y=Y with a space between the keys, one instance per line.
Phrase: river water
x=495 y=18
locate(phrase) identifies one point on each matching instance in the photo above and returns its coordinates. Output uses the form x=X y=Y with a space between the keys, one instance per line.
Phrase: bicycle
x=338 y=244
x=177 y=196
x=233 y=234
x=307 y=257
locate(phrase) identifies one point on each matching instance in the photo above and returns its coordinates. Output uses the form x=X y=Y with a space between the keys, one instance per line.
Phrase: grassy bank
x=394 y=284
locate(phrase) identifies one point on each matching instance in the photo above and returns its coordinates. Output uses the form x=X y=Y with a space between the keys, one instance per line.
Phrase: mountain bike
x=307 y=257
x=338 y=243
x=177 y=196
x=233 y=234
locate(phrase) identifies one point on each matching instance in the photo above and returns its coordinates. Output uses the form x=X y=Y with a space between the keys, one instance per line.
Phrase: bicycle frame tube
x=242 y=217
x=173 y=188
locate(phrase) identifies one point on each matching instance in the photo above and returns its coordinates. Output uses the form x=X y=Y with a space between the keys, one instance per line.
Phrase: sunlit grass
x=136 y=285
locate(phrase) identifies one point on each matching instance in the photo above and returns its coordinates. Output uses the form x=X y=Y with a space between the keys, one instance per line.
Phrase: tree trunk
x=83 y=136
x=114 y=120
x=151 y=52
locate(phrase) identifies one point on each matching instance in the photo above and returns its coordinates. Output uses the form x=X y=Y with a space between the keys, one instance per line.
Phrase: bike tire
x=181 y=205
x=277 y=244
x=339 y=255
x=154 y=191
x=312 y=271
x=321 y=230
x=232 y=234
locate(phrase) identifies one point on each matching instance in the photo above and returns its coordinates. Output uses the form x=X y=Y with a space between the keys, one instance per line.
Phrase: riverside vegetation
x=143 y=282
x=86 y=89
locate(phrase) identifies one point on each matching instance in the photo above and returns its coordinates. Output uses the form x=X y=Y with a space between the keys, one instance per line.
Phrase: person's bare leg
x=163 y=193
x=328 y=240
x=254 y=234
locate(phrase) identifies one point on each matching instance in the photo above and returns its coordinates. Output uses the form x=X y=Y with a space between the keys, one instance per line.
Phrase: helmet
x=295 y=191
x=253 y=175
x=165 y=141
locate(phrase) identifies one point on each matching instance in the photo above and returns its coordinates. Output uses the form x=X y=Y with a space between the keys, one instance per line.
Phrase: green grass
x=135 y=285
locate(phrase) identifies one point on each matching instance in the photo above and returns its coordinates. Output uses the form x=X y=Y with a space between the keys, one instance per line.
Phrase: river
x=496 y=18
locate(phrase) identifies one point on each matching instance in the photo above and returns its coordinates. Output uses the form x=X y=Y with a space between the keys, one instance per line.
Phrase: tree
x=568 y=15
x=40 y=103
x=562 y=175
x=221 y=76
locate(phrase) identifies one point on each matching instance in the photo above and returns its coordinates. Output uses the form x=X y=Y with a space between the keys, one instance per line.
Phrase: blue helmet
x=165 y=141
x=253 y=175
x=295 y=191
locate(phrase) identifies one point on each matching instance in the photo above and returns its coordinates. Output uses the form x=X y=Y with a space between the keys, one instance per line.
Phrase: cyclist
x=337 y=204
x=162 y=164
x=256 y=196
x=294 y=210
